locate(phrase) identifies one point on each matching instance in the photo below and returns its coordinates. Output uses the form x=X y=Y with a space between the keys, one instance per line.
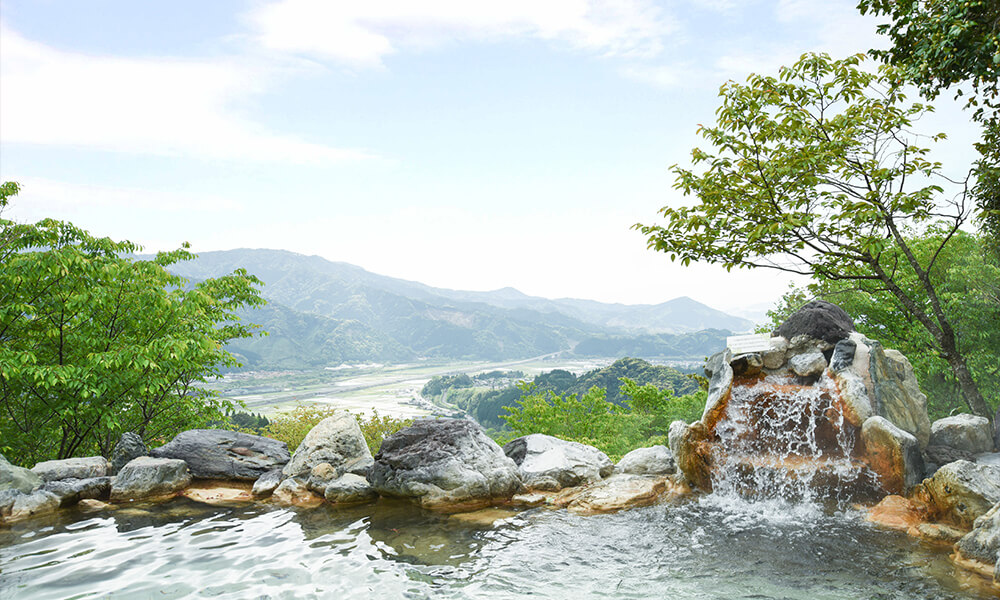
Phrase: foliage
x=816 y=172
x=439 y=384
x=591 y=419
x=292 y=428
x=684 y=345
x=968 y=280
x=251 y=422
x=94 y=343
x=944 y=44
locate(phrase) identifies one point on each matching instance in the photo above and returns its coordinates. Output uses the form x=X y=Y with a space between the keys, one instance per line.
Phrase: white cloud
x=363 y=33
x=170 y=107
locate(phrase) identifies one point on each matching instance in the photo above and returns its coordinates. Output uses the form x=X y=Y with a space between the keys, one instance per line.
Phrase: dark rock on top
x=221 y=454
x=448 y=464
x=818 y=319
x=128 y=447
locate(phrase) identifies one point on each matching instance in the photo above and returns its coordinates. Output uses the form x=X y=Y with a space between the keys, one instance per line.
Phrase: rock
x=688 y=445
x=996 y=429
x=336 y=440
x=618 y=492
x=962 y=491
x=146 y=476
x=983 y=542
x=896 y=512
x=843 y=355
x=896 y=394
x=893 y=454
x=818 y=319
x=856 y=405
x=720 y=385
x=321 y=476
x=293 y=492
x=655 y=460
x=965 y=432
x=7 y=498
x=529 y=499
x=221 y=454
x=447 y=464
x=17 y=478
x=808 y=365
x=217 y=493
x=349 y=489
x=486 y=518
x=36 y=503
x=936 y=456
x=549 y=463
x=806 y=344
x=267 y=483
x=91 y=505
x=747 y=365
x=72 y=468
x=128 y=447
x=990 y=458
x=938 y=532
x=774 y=357
x=71 y=491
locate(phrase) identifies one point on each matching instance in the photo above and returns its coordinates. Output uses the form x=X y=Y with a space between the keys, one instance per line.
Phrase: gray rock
x=349 y=489
x=937 y=456
x=963 y=491
x=818 y=319
x=843 y=355
x=36 y=503
x=72 y=468
x=983 y=542
x=148 y=476
x=336 y=440
x=17 y=478
x=293 y=492
x=321 y=476
x=71 y=491
x=808 y=365
x=990 y=458
x=893 y=454
x=655 y=460
x=720 y=385
x=805 y=344
x=774 y=357
x=857 y=404
x=128 y=447
x=996 y=429
x=7 y=498
x=747 y=365
x=897 y=395
x=963 y=432
x=221 y=454
x=267 y=483
x=448 y=464
x=549 y=463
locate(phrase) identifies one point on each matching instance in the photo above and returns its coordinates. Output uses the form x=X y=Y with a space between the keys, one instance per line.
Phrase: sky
x=460 y=143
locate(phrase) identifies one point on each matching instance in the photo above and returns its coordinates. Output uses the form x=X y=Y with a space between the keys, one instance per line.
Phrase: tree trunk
x=970 y=391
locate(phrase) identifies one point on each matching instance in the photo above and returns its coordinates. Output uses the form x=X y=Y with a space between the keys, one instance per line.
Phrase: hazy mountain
x=324 y=312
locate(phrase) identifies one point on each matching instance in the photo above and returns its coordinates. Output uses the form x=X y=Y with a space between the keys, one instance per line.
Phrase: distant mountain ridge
x=322 y=312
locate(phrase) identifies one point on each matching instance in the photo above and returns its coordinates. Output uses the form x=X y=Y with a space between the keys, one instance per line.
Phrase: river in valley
x=699 y=548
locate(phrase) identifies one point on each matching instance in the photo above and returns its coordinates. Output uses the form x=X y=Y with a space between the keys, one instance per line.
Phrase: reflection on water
x=692 y=550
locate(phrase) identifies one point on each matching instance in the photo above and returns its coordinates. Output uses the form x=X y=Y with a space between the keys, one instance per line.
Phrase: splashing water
x=785 y=451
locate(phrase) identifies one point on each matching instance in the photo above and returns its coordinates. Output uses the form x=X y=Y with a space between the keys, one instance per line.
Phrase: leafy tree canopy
x=94 y=343
x=817 y=172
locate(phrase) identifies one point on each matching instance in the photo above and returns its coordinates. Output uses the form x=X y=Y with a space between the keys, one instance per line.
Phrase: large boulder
x=937 y=456
x=147 y=476
x=818 y=319
x=897 y=395
x=964 y=432
x=17 y=478
x=982 y=544
x=72 y=468
x=222 y=454
x=655 y=460
x=336 y=440
x=893 y=454
x=71 y=491
x=962 y=491
x=689 y=445
x=130 y=446
x=856 y=405
x=447 y=464
x=36 y=503
x=349 y=489
x=549 y=463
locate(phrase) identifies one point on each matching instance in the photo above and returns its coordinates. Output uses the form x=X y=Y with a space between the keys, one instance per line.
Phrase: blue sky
x=464 y=144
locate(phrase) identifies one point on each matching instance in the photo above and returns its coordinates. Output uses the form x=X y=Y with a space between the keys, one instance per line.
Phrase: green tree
x=943 y=44
x=817 y=172
x=94 y=343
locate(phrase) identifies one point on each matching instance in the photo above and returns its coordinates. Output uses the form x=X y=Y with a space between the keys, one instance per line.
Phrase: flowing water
x=704 y=548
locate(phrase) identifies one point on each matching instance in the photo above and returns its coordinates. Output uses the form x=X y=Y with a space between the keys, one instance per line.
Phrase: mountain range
x=322 y=313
